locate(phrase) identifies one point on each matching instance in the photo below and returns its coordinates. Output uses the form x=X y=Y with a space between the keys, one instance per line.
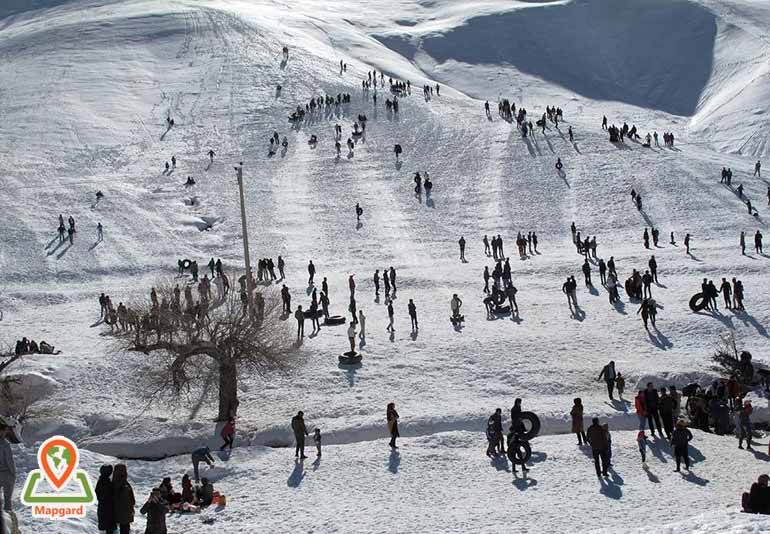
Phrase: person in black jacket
x=123 y=494
x=667 y=405
x=156 y=511
x=105 y=510
x=651 y=404
x=680 y=441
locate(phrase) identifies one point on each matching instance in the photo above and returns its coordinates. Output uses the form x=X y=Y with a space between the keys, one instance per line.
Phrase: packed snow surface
x=85 y=90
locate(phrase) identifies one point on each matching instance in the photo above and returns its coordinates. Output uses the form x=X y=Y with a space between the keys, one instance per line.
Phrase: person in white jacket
x=7 y=468
x=352 y=337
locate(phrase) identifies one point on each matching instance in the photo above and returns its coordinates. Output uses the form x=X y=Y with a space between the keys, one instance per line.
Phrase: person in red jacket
x=641 y=411
x=228 y=434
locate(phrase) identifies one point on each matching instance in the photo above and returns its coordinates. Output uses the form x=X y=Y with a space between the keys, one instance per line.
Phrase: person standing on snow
x=311 y=272
x=228 y=434
x=105 y=511
x=352 y=337
x=211 y=156
x=362 y=324
x=300 y=431
x=577 y=421
x=758 y=169
x=598 y=439
x=299 y=315
x=392 y=417
x=412 y=314
x=124 y=498
x=202 y=454
x=680 y=440
x=462 y=248
x=609 y=375
x=376 y=280
x=758 y=242
x=455 y=304
x=651 y=403
x=390 y=316
x=744 y=425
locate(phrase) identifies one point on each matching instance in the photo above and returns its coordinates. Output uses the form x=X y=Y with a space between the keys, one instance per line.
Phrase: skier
x=462 y=248
x=300 y=431
x=412 y=314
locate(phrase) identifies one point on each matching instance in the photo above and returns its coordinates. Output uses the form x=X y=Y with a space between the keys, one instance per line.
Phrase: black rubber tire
x=498 y=298
x=519 y=452
x=186 y=264
x=698 y=302
x=334 y=320
x=531 y=423
x=502 y=310
x=309 y=314
x=350 y=360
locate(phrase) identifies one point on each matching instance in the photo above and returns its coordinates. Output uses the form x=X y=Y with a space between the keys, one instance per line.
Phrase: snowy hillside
x=85 y=90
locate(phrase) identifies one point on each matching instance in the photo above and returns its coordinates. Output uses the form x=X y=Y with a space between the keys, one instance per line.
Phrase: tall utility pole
x=247 y=260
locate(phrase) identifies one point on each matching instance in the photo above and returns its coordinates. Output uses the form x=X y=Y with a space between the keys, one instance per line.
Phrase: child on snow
x=641 y=439
x=317 y=440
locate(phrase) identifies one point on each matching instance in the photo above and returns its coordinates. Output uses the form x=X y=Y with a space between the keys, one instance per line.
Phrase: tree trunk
x=228 y=390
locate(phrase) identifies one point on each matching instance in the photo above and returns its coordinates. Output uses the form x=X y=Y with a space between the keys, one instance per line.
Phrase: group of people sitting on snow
x=25 y=346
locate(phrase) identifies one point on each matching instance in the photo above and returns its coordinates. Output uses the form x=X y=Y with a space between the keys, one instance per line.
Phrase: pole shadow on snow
x=529 y=147
x=620 y=307
x=208 y=166
x=617 y=405
x=394 y=461
x=96 y=244
x=296 y=476
x=655 y=446
x=548 y=142
x=317 y=463
x=163 y=136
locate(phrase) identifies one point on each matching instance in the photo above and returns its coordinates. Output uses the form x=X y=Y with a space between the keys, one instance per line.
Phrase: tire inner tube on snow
x=502 y=310
x=498 y=297
x=186 y=264
x=519 y=452
x=698 y=302
x=531 y=423
x=334 y=320
x=630 y=287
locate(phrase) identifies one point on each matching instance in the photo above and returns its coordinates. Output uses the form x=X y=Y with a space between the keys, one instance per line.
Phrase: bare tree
x=189 y=338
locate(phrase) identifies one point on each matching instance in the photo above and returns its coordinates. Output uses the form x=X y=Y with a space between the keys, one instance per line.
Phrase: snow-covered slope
x=85 y=89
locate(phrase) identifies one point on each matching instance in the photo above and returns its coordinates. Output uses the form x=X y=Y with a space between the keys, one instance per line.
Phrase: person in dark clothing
x=392 y=417
x=462 y=248
x=609 y=375
x=759 y=496
x=155 y=509
x=202 y=454
x=376 y=280
x=311 y=272
x=680 y=440
x=653 y=265
x=105 y=511
x=487 y=276
x=651 y=405
x=598 y=438
x=497 y=427
x=299 y=315
x=603 y=271
x=300 y=431
x=412 y=314
x=587 y=272
x=758 y=242
x=577 y=421
x=666 y=407
x=123 y=495
x=516 y=424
